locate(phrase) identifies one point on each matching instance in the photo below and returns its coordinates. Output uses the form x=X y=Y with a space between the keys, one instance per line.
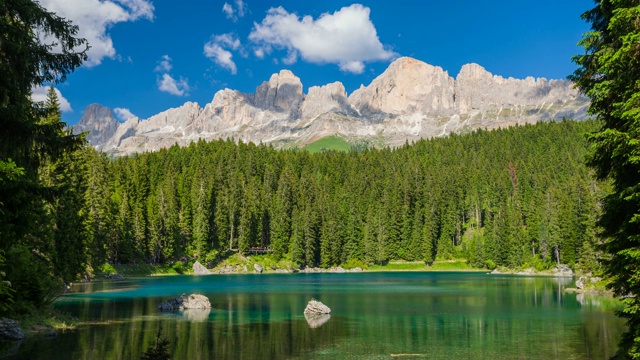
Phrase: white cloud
x=123 y=113
x=168 y=83
x=39 y=94
x=347 y=37
x=259 y=53
x=227 y=39
x=234 y=14
x=164 y=64
x=215 y=50
x=356 y=67
x=242 y=7
x=172 y=86
x=228 y=10
x=94 y=19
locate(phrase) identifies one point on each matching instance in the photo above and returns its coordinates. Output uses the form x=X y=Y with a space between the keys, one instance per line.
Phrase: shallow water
x=374 y=316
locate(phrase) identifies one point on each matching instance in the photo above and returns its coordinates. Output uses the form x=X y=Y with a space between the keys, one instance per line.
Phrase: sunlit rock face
x=408 y=101
x=407 y=87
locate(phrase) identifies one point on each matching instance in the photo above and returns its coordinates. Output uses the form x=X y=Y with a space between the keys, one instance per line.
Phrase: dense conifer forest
x=513 y=197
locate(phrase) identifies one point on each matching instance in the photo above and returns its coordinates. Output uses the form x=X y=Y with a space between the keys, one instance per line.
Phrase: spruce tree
x=608 y=72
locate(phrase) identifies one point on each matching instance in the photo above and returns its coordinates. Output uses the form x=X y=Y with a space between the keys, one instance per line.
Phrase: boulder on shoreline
x=10 y=330
x=199 y=269
x=184 y=302
x=562 y=270
x=258 y=268
x=315 y=307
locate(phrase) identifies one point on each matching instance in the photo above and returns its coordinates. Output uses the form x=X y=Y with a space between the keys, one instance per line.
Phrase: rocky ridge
x=409 y=101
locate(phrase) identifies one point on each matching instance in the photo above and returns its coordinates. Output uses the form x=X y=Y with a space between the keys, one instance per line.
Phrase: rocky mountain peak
x=282 y=93
x=473 y=72
x=100 y=123
x=406 y=87
x=323 y=99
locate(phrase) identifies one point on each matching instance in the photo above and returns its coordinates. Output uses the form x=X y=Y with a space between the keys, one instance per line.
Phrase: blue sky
x=148 y=56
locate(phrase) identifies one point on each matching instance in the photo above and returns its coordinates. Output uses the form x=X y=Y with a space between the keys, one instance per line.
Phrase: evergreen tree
x=31 y=136
x=608 y=73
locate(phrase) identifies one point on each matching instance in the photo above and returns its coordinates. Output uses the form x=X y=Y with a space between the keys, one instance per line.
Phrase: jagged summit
x=100 y=123
x=409 y=100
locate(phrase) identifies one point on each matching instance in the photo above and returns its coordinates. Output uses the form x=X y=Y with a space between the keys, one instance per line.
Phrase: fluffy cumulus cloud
x=39 y=94
x=218 y=50
x=94 y=19
x=233 y=13
x=123 y=113
x=347 y=37
x=172 y=86
x=166 y=82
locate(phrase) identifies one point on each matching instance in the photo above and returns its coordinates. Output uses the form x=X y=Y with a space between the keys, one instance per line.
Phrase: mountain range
x=410 y=100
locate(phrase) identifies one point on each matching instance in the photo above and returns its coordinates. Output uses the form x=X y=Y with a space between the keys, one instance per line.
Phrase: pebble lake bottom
x=374 y=315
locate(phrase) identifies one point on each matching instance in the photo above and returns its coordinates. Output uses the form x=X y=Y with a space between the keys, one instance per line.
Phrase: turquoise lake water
x=374 y=316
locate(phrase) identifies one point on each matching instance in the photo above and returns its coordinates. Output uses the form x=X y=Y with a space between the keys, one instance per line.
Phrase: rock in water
x=184 y=302
x=315 y=307
x=10 y=330
x=315 y=320
x=258 y=268
x=199 y=269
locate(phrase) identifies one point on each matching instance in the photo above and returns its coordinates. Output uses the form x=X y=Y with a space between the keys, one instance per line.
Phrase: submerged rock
x=196 y=315
x=315 y=307
x=316 y=320
x=199 y=269
x=10 y=330
x=184 y=302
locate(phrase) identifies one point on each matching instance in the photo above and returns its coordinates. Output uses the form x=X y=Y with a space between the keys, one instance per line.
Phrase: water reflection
x=317 y=320
x=373 y=315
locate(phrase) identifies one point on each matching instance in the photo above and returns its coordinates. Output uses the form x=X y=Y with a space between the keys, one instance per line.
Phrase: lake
x=374 y=316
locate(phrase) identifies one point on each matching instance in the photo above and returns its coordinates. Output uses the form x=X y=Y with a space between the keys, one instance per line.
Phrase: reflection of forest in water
x=374 y=315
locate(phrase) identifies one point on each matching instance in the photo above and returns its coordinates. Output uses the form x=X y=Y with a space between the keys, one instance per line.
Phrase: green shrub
x=489 y=264
x=178 y=267
x=354 y=263
x=106 y=268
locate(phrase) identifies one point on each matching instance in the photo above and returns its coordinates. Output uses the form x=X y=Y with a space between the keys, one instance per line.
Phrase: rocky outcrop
x=562 y=271
x=199 y=269
x=331 y=98
x=409 y=101
x=10 y=330
x=282 y=93
x=184 y=302
x=257 y=268
x=315 y=307
x=99 y=121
